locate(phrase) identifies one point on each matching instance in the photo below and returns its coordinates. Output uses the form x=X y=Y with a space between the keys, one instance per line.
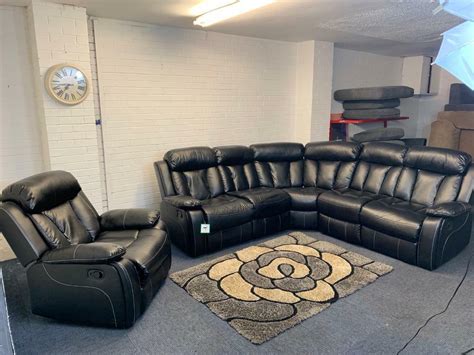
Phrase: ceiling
x=389 y=27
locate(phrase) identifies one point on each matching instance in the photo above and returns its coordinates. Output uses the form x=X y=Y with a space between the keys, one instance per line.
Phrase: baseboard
x=6 y=340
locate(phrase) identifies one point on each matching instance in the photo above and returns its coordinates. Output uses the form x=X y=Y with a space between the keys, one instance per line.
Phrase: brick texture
x=59 y=34
x=163 y=88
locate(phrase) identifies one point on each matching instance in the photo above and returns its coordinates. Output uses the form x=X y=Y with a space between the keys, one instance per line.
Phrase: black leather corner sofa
x=82 y=267
x=410 y=203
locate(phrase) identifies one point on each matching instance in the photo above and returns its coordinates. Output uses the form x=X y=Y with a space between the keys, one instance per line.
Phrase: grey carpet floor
x=380 y=318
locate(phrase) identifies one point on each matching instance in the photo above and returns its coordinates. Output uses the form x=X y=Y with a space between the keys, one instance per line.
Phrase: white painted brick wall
x=60 y=35
x=97 y=113
x=20 y=142
x=322 y=90
x=163 y=88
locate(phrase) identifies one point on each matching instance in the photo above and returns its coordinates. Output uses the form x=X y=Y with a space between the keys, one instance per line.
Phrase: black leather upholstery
x=279 y=164
x=91 y=253
x=266 y=201
x=81 y=267
x=438 y=160
x=227 y=211
x=304 y=198
x=406 y=202
x=345 y=204
x=394 y=217
x=449 y=209
x=42 y=192
x=136 y=218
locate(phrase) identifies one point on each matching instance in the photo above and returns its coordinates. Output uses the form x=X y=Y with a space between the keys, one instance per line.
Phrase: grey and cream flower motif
x=265 y=289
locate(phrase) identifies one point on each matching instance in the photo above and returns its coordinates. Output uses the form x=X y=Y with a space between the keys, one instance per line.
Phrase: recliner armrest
x=183 y=202
x=449 y=209
x=134 y=218
x=91 y=253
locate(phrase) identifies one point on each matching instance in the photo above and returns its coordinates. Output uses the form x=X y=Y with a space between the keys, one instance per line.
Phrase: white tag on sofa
x=205 y=228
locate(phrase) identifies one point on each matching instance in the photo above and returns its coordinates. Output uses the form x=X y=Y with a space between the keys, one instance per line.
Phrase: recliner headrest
x=332 y=151
x=383 y=153
x=43 y=191
x=193 y=158
x=278 y=151
x=233 y=155
x=438 y=160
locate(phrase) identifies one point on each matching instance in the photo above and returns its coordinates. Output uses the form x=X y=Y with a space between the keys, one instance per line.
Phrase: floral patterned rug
x=263 y=290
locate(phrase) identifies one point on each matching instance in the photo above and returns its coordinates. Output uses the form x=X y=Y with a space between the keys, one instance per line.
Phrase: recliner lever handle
x=95 y=274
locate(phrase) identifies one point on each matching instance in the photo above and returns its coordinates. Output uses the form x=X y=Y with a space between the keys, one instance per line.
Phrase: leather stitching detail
x=131 y=287
x=124 y=216
x=75 y=249
x=159 y=250
x=81 y=286
x=450 y=234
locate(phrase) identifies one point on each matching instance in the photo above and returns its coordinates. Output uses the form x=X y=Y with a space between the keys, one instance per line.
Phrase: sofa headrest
x=193 y=158
x=43 y=191
x=278 y=151
x=383 y=153
x=233 y=155
x=332 y=151
x=438 y=160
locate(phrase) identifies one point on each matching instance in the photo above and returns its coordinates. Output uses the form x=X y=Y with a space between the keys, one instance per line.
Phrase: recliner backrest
x=379 y=168
x=236 y=167
x=194 y=172
x=56 y=205
x=435 y=174
x=330 y=165
x=279 y=164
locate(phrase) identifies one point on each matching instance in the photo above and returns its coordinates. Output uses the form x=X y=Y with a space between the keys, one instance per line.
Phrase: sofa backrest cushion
x=279 y=164
x=330 y=165
x=188 y=159
x=57 y=206
x=194 y=172
x=438 y=160
x=437 y=174
x=236 y=167
x=379 y=168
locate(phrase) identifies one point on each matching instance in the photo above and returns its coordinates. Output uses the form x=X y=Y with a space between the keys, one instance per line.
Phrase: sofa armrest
x=183 y=202
x=92 y=253
x=134 y=218
x=448 y=209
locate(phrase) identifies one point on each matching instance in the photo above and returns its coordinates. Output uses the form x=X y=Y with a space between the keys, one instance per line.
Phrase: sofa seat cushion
x=344 y=204
x=227 y=211
x=304 y=198
x=396 y=217
x=267 y=201
x=146 y=248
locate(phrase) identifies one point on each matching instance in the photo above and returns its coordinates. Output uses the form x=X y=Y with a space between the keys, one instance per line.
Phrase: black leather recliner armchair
x=406 y=202
x=82 y=267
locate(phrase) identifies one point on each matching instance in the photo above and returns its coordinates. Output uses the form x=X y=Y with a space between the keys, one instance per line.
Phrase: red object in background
x=338 y=121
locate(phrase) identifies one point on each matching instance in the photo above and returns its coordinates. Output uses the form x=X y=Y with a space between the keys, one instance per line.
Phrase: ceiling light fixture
x=209 y=5
x=232 y=10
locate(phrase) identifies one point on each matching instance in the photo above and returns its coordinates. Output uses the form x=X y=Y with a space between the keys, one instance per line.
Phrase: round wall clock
x=67 y=84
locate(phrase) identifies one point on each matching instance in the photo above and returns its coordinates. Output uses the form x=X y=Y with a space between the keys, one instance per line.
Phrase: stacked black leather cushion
x=409 y=203
x=372 y=102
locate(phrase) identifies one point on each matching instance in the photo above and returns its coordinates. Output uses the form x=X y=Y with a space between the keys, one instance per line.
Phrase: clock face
x=67 y=84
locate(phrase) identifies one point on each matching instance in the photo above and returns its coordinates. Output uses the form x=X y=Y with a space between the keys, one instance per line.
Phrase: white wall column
x=314 y=90
x=58 y=34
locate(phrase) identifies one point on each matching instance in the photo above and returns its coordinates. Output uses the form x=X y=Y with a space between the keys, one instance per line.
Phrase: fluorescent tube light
x=229 y=11
x=209 y=5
